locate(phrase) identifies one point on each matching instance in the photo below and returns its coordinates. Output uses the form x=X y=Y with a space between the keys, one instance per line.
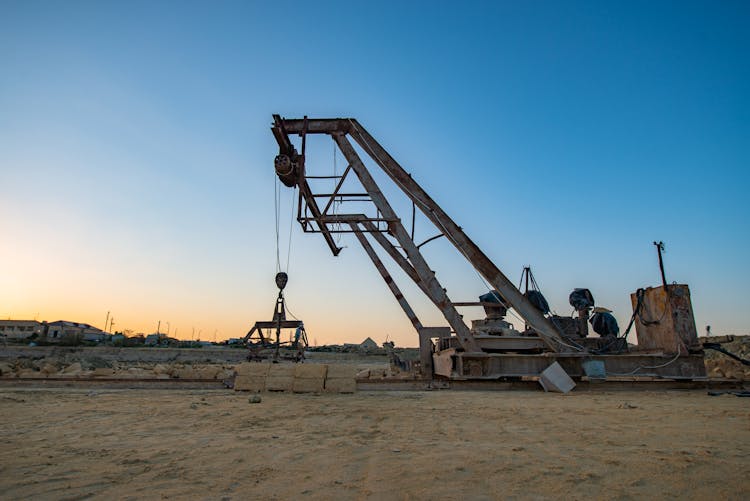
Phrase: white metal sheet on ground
x=554 y=378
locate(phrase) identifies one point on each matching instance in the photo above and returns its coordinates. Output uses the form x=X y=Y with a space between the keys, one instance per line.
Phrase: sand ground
x=213 y=444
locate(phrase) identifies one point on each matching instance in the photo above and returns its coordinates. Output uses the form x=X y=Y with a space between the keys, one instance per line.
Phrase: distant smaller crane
x=264 y=347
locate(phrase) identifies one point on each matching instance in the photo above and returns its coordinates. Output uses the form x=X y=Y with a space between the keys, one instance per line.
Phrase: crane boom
x=291 y=170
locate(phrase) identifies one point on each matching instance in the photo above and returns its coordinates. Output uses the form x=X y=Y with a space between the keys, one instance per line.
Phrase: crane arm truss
x=386 y=221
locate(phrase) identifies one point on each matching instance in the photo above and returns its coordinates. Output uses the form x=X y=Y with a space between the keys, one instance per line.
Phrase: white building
x=20 y=329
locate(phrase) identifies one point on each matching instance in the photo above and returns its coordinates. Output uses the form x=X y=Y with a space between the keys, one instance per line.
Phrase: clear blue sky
x=136 y=161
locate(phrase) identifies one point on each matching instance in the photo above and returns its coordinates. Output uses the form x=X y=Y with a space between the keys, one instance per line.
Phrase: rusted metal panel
x=317 y=126
x=442 y=362
x=495 y=365
x=665 y=318
x=426 y=346
x=509 y=343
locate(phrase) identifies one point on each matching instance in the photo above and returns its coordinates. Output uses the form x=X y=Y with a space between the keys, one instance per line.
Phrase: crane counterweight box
x=664 y=318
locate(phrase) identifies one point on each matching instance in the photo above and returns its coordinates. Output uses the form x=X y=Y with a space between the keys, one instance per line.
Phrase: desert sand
x=79 y=443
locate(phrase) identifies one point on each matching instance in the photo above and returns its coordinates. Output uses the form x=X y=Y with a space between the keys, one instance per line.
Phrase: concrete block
x=281 y=370
x=280 y=377
x=253 y=369
x=250 y=383
x=308 y=384
x=310 y=371
x=279 y=383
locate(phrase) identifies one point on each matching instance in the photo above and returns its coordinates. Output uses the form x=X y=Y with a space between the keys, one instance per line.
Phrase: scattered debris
x=739 y=393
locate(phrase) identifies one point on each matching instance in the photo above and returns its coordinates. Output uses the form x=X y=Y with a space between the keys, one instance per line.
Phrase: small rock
x=254 y=399
x=627 y=405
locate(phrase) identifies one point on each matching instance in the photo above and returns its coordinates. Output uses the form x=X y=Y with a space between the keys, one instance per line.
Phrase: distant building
x=155 y=339
x=160 y=340
x=20 y=329
x=60 y=329
x=368 y=345
x=51 y=331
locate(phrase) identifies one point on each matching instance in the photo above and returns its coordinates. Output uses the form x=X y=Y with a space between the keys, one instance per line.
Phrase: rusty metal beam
x=387 y=277
x=434 y=290
x=455 y=234
x=395 y=254
x=304 y=189
x=346 y=218
x=336 y=190
x=316 y=126
x=281 y=134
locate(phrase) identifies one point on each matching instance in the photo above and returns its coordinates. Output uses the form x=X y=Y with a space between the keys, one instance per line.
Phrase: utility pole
x=105 y=322
x=158 y=326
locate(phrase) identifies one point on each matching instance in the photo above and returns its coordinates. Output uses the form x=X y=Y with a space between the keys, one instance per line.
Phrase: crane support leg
x=387 y=277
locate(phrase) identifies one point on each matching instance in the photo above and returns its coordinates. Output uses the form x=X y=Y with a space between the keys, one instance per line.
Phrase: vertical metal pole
x=660 y=247
x=527 y=270
x=583 y=326
x=280 y=312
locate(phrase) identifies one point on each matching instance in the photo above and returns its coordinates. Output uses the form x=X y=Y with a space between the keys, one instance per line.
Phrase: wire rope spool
x=287 y=169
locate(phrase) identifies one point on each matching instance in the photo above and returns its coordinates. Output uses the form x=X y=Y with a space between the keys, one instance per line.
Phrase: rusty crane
x=491 y=348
